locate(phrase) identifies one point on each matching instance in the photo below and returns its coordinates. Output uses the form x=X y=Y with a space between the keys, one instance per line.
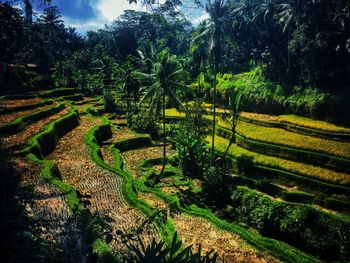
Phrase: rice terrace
x=175 y=131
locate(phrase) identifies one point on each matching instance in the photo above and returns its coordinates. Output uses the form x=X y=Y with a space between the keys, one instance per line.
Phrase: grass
x=275 y=162
x=294 y=140
x=314 y=124
x=281 y=136
x=298 y=121
x=174 y=113
x=274 y=247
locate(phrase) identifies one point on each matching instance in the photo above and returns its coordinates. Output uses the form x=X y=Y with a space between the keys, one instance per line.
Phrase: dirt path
x=100 y=189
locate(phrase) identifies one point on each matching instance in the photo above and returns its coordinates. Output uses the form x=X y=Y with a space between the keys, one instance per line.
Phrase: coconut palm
x=166 y=79
x=216 y=10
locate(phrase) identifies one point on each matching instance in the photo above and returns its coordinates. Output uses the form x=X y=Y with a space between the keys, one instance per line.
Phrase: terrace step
x=304 y=155
x=304 y=126
x=12 y=116
x=100 y=188
x=16 y=142
x=293 y=194
x=309 y=177
x=20 y=123
x=8 y=106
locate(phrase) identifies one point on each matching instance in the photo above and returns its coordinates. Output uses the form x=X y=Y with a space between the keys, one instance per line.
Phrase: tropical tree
x=217 y=11
x=28 y=7
x=130 y=85
x=166 y=79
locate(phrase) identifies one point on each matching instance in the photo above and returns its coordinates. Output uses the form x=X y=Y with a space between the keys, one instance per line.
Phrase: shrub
x=192 y=151
x=159 y=252
x=144 y=124
x=217 y=180
x=316 y=232
x=109 y=101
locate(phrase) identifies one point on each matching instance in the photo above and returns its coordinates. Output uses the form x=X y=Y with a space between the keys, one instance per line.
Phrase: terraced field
x=77 y=166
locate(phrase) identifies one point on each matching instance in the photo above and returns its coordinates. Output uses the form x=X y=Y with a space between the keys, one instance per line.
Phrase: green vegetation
x=286 y=165
x=253 y=101
x=314 y=231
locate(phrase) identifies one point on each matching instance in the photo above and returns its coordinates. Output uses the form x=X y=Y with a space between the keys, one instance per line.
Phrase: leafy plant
x=192 y=151
x=109 y=101
x=159 y=252
x=144 y=124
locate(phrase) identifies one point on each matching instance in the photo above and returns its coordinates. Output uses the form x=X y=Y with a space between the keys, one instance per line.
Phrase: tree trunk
x=128 y=104
x=288 y=52
x=214 y=118
x=232 y=139
x=28 y=9
x=197 y=113
x=164 y=136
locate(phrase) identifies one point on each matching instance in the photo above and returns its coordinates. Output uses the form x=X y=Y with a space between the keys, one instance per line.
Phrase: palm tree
x=216 y=11
x=289 y=15
x=130 y=85
x=166 y=78
x=28 y=7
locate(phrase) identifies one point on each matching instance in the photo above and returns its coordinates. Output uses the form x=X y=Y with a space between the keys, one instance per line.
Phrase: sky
x=87 y=15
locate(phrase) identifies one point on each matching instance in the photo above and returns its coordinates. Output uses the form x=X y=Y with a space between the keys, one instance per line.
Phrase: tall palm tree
x=289 y=16
x=166 y=79
x=28 y=7
x=216 y=10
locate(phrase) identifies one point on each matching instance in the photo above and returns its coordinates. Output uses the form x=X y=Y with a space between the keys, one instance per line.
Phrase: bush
x=192 y=151
x=217 y=180
x=109 y=101
x=144 y=124
x=316 y=232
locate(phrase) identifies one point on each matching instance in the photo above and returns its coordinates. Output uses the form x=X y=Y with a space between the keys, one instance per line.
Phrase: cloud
x=78 y=10
x=112 y=9
x=200 y=18
x=87 y=15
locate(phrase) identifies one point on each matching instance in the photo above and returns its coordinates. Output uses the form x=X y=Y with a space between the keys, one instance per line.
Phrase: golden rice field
x=281 y=136
x=275 y=162
x=291 y=119
x=295 y=140
x=298 y=121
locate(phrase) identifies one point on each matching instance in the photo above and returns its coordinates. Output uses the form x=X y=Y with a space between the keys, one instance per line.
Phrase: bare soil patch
x=229 y=246
x=153 y=200
x=134 y=157
x=9 y=104
x=7 y=118
x=17 y=141
x=45 y=205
